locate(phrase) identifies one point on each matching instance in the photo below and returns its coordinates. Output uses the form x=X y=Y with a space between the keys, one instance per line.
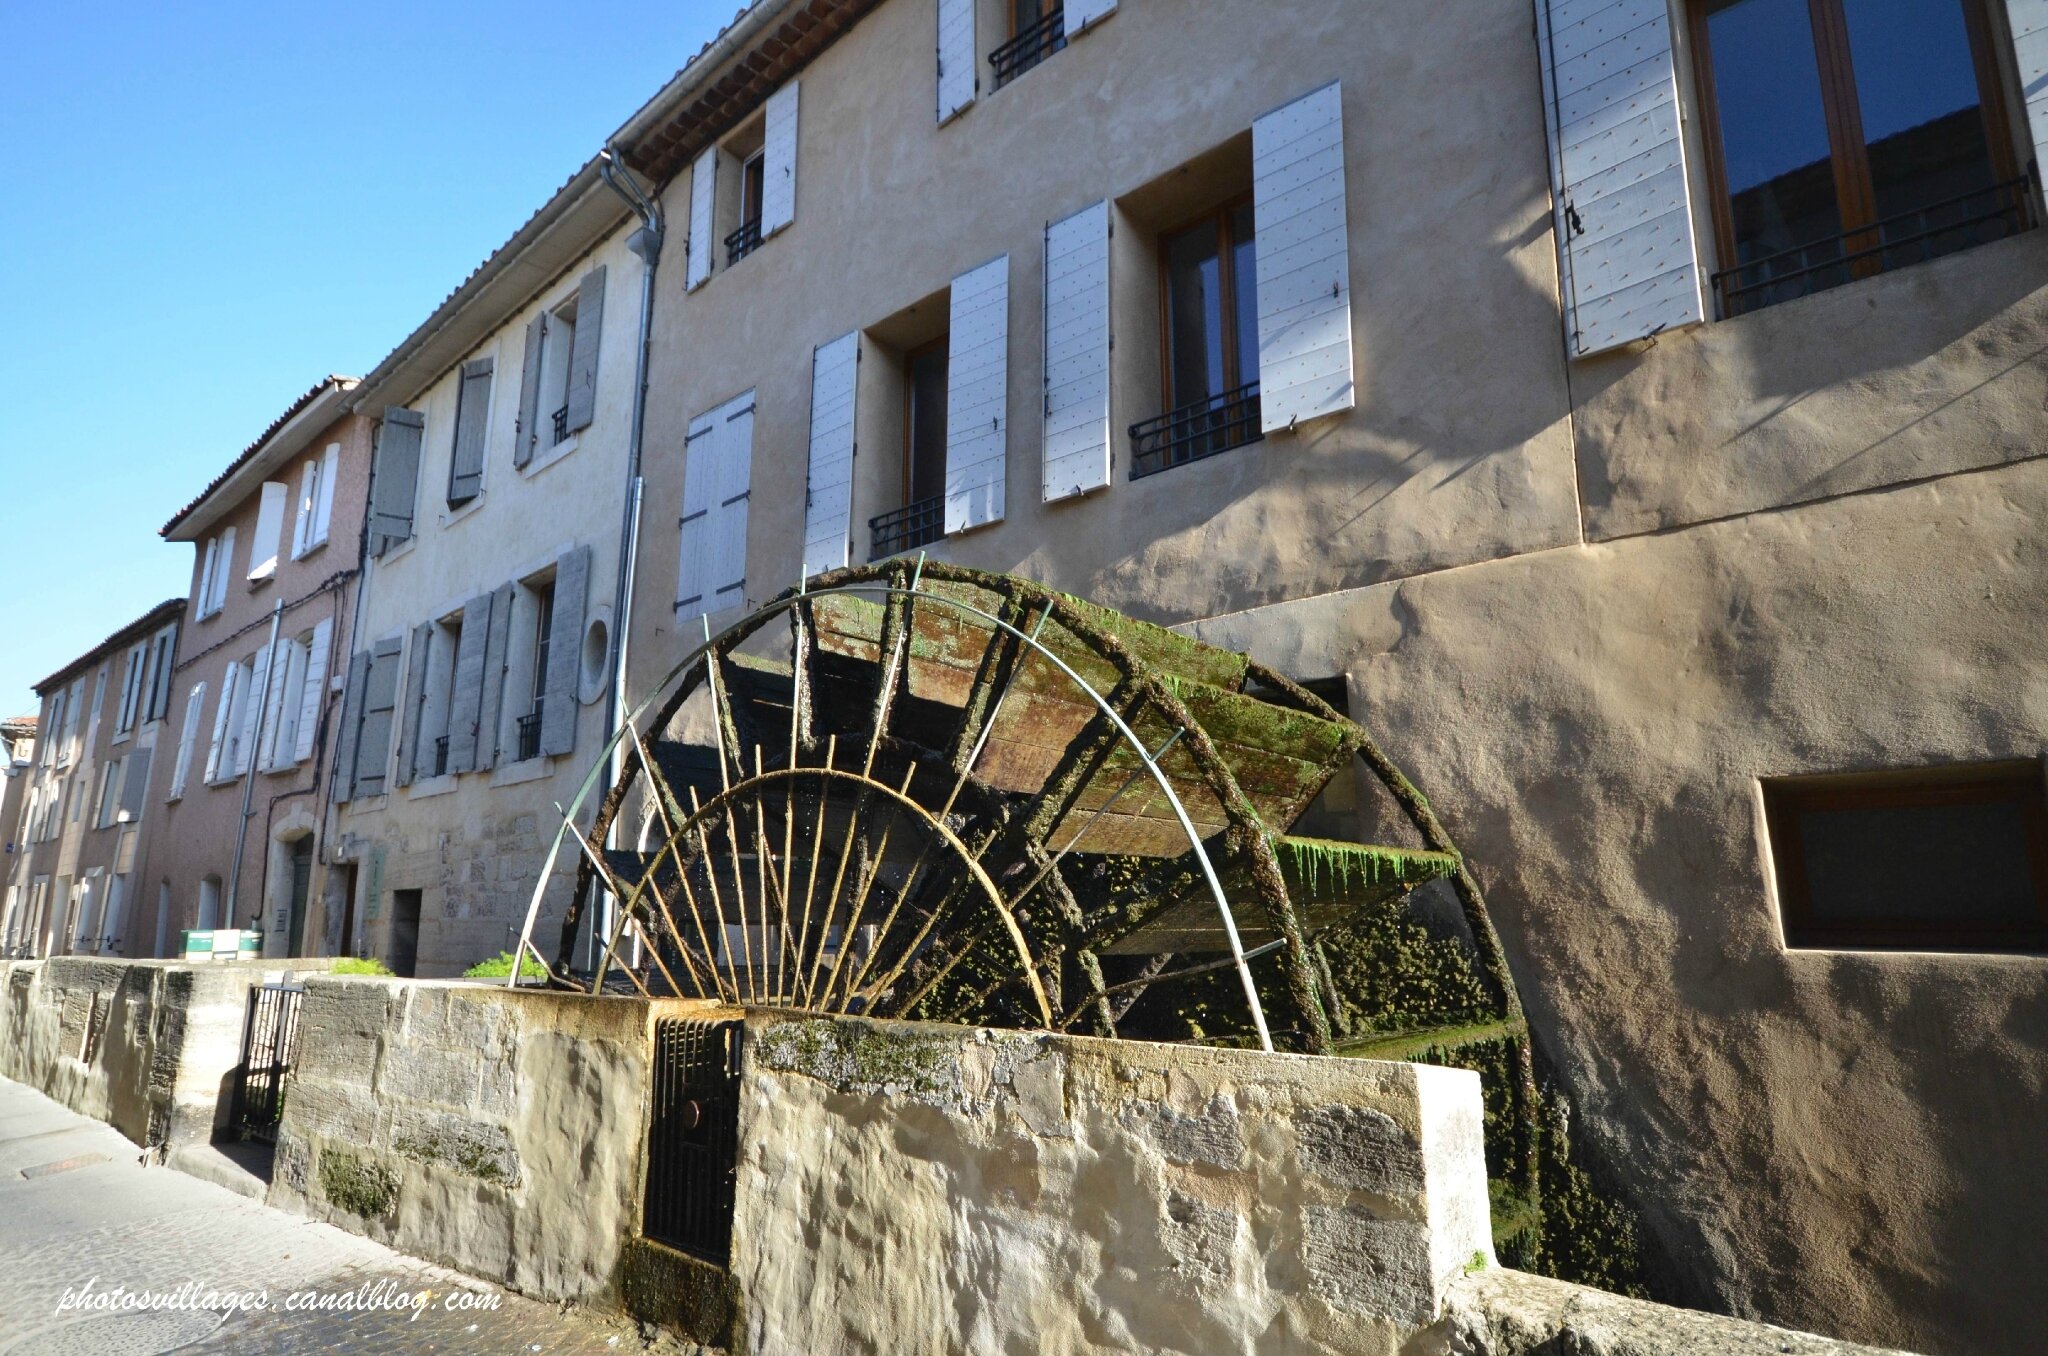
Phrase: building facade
x=238 y=837
x=1652 y=459
x=479 y=686
x=72 y=863
x=17 y=758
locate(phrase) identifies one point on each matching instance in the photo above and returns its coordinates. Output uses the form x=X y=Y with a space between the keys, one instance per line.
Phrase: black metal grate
x=529 y=736
x=1909 y=238
x=693 y=1137
x=742 y=242
x=269 y=1043
x=441 y=756
x=1195 y=431
x=561 y=422
x=906 y=529
x=1032 y=45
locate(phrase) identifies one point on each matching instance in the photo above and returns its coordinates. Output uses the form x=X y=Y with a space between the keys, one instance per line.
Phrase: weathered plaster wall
x=1846 y=1142
x=496 y=1132
x=918 y=1188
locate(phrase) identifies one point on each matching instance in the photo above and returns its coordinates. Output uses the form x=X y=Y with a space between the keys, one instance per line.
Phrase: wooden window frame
x=1848 y=150
x=2018 y=781
x=1226 y=272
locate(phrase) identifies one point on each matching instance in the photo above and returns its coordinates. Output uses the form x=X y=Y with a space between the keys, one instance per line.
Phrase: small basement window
x=1926 y=859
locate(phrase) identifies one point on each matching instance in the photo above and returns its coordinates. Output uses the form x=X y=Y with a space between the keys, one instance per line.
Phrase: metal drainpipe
x=646 y=244
x=249 y=777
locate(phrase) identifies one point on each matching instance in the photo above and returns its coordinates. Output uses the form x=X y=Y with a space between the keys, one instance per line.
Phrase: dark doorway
x=342 y=942
x=302 y=889
x=405 y=932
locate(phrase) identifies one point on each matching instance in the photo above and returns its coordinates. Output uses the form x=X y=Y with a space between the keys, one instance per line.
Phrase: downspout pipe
x=249 y=778
x=646 y=244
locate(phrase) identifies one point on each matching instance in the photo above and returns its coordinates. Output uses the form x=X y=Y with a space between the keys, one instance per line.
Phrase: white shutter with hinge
x=2029 y=20
x=778 y=161
x=703 y=187
x=269 y=538
x=1627 y=266
x=693 y=565
x=188 y=735
x=302 y=520
x=734 y=491
x=1304 y=260
x=315 y=692
x=828 y=505
x=1077 y=353
x=323 y=501
x=1082 y=15
x=256 y=699
x=223 y=712
x=289 y=663
x=959 y=58
x=977 y=397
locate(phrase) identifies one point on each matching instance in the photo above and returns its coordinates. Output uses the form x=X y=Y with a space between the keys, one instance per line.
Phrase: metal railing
x=907 y=528
x=1908 y=238
x=1195 y=431
x=529 y=735
x=1033 y=44
x=270 y=1041
x=693 y=1137
x=742 y=242
x=561 y=421
x=441 y=756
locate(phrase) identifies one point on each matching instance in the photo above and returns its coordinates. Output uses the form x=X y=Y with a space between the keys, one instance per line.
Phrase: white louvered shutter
x=253 y=703
x=188 y=735
x=735 y=463
x=1077 y=353
x=1627 y=265
x=828 y=506
x=302 y=520
x=1082 y=15
x=323 y=503
x=222 y=569
x=703 y=187
x=230 y=684
x=1304 y=261
x=693 y=563
x=315 y=693
x=2029 y=19
x=288 y=659
x=959 y=58
x=778 y=161
x=977 y=397
x=263 y=551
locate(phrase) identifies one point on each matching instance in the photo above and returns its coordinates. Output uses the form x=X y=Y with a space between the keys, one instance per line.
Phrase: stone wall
x=495 y=1131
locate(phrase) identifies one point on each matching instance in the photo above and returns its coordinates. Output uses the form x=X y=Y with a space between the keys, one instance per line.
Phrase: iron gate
x=693 y=1137
x=269 y=1042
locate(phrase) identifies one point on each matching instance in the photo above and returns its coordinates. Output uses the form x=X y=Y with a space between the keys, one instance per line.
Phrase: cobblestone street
x=78 y=1208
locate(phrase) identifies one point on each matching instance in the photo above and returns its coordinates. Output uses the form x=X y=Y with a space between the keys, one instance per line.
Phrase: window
x=746 y=166
x=922 y=518
x=269 y=538
x=1949 y=858
x=157 y=685
x=316 y=502
x=195 y=703
x=108 y=802
x=286 y=700
x=436 y=698
x=132 y=681
x=1209 y=360
x=557 y=342
x=74 y=707
x=223 y=754
x=394 y=477
x=532 y=651
x=472 y=429
x=1847 y=137
x=366 y=750
x=218 y=563
x=1037 y=29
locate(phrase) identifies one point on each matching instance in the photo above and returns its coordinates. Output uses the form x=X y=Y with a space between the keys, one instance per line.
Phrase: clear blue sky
x=204 y=209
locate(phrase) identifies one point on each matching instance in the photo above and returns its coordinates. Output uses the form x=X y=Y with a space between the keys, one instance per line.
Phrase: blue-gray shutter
x=2029 y=20
x=828 y=501
x=1627 y=266
x=959 y=58
x=351 y=734
x=396 y=476
x=1076 y=456
x=415 y=703
x=491 y=714
x=526 y=435
x=1303 y=260
x=472 y=427
x=134 y=784
x=565 y=649
x=583 y=351
x=978 y=397
x=379 y=715
x=466 y=696
x=778 y=160
x=703 y=234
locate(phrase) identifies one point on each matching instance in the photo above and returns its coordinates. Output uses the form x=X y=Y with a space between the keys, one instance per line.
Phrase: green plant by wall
x=360 y=965
x=500 y=966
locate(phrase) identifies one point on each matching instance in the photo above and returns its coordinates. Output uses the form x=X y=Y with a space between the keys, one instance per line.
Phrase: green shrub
x=360 y=965
x=500 y=965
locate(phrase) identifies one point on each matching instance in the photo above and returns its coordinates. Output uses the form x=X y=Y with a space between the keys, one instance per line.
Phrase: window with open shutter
x=977 y=397
x=223 y=569
x=472 y=430
x=582 y=398
x=1304 y=261
x=302 y=515
x=159 y=690
x=281 y=705
x=497 y=642
x=526 y=434
x=778 y=161
x=217 y=763
x=209 y=565
x=253 y=703
x=395 y=477
x=323 y=503
x=959 y=58
x=1076 y=457
x=372 y=745
x=828 y=504
x=565 y=651
x=1627 y=267
x=703 y=231
x=465 y=711
x=134 y=784
x=312 y=692
x=269 y=539
x=188 y=734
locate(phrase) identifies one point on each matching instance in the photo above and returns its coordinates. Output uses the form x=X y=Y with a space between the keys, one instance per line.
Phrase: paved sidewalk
x=78 y=1208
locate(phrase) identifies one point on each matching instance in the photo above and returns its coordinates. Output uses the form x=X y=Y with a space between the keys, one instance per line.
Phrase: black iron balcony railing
x=1032 y=45
x=1909 y=238
x=742 y=242
x=441 y=756
x=908 y=528
x=561 y=421
x=529 y=735
x=1195 y=431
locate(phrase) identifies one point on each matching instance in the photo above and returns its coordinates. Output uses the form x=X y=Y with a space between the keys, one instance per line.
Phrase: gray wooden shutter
x=1304 y=260
x=188 y=735
x=380 y=716
x=2029 y=19
x=835 y=370
x=1082 y=15
x=778 y=161
x=583 y=351
x=526 y=435
x=693 y=529
x=135 y=785
x=703 y=242
x=1076 y=456
x=415 y=698
x=314 y=698
x=466 y=700
x=1627 y=266
x=259 y=696
x=472 y=427
x=734 y=493
x=490 y=715
x=163 y=655
x=351 y=720
x=565 y=650
x=397 y=475
x=977 y=397
x=959 y=58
